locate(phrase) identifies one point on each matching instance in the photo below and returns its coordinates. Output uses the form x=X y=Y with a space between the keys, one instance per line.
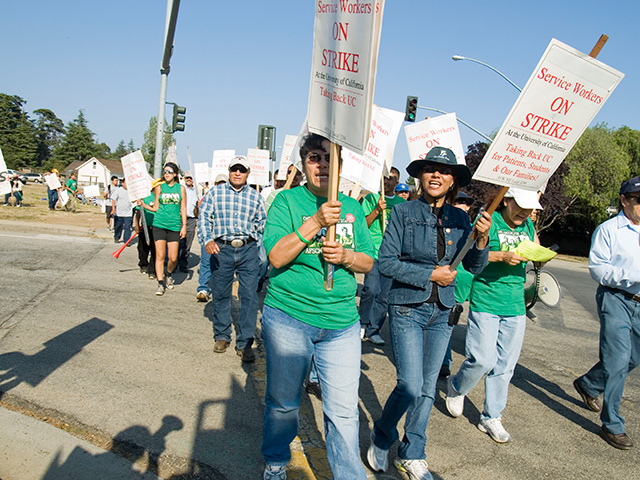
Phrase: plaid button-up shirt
x=228 y=214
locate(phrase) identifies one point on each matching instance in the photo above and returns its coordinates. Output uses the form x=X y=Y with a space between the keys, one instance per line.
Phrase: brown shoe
x=221 y=346
x=617 y=440
x=247 y=354
x=592 y=403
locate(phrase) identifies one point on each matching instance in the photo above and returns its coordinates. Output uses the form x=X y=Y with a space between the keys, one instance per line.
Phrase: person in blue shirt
x=614 y=262
x=421 y=240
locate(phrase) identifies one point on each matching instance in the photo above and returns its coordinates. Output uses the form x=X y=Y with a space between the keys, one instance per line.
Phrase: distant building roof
x=114 y=166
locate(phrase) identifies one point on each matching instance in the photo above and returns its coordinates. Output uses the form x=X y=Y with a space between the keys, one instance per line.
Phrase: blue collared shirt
x=192 y=200
x=614 y=259
x=229 y=214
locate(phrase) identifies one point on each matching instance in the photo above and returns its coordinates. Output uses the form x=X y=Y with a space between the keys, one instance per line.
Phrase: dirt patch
x=35 y=208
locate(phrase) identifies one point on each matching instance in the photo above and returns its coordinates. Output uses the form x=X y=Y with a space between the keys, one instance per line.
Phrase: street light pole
x=169 y=31
x=460 y=120
x=460 y=57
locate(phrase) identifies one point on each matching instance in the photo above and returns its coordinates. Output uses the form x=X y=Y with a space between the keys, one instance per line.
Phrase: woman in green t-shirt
x=497 y=315
x=169 y=222
x=301 y=319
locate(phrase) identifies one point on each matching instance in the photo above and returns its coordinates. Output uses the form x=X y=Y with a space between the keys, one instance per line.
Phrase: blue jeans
x=619 y=354
x=492 y=347
x=289 y=345
x=121 y=224
x=419 y=336
x=204 y=274
x=243 y=262
x=373 y=301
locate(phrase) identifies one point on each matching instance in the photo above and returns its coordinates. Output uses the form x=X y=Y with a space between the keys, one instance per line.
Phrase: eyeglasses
x=238 y=168
x=168 y=171
x=316 y=157
x=435 y=167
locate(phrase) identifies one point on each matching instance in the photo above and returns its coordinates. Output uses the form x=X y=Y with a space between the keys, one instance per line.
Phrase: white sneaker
x=169 y=282
x=272 y=472
x=160 y=290
x=202 y=296
x=493 y=426
x=378 y=458
x=454 y=401
x=415 y=469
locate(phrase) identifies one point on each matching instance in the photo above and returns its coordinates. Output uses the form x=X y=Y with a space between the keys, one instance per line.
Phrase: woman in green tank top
x=169 y=223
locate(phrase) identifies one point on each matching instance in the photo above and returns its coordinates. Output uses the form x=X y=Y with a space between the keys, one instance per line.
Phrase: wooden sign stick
x=290 y=177
x=383 y=220
x=332 y=194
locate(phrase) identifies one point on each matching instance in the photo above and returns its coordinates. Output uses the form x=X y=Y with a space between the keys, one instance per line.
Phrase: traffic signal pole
x=169 y=32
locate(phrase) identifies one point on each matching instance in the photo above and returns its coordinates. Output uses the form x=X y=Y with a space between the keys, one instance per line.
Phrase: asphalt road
x=86 y=345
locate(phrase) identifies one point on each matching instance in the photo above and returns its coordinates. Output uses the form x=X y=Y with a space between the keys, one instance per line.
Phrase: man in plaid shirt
x=231 y=220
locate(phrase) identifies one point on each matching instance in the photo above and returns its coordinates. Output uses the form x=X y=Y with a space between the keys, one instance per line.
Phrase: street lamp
x=460 y=120
x=460 y=57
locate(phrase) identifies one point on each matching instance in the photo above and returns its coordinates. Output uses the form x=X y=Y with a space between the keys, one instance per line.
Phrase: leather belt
x=237 y=243
x=635 y=298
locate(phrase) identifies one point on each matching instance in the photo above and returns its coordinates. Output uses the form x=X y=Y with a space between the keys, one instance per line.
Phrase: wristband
x=352 y=262
x=302 y=239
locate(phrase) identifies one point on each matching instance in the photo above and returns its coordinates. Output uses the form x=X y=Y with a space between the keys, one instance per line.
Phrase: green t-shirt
x=499 y=288
x=368 y=205
x=464 y=278
x=148 y=215
x=168 y=214
x=297 y=289
x=72 y=185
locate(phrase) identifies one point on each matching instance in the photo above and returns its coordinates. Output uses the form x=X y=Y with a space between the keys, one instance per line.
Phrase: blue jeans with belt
x=242 y=261
x=419 y=337
x=619 y=354
x=290 y=345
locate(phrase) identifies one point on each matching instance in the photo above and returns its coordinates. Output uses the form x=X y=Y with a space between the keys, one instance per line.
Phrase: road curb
x=45 y=228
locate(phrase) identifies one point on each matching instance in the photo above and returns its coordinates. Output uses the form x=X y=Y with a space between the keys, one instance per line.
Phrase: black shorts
x=166 y=235
x=107 y=209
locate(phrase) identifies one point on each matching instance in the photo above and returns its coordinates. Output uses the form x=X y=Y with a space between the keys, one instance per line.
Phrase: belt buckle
x=237 y=243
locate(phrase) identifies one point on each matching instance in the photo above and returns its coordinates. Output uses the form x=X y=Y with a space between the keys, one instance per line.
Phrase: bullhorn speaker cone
x=549 y=290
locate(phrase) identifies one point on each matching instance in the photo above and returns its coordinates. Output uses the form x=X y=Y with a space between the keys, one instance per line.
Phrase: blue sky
x=240 y=64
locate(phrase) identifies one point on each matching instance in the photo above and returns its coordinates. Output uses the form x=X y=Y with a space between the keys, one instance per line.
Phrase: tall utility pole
x=169 y=31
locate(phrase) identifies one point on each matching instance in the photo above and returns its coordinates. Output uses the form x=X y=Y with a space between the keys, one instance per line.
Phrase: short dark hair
x=313 y=141
x=395 y=170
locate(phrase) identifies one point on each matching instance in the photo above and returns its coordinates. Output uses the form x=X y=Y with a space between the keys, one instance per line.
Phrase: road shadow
x=16 y=367
x=134 y=454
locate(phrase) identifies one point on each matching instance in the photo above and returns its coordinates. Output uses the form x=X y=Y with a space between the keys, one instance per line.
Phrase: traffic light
x=178 y=118
x=411 y=109
x=266 y=137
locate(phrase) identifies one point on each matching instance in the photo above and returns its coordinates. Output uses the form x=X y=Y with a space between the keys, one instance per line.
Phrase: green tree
x=49 y=130
x=120 y=151
x=77 y=144
x=596 y=166
x=629 y=140
x=149 y=145
x=17 y=135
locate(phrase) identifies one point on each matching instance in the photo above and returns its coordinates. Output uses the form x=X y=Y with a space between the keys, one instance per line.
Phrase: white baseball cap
x=524 y=198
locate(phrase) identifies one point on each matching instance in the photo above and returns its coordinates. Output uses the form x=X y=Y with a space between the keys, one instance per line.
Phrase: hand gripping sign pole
x=332 y=194
x=594 y=53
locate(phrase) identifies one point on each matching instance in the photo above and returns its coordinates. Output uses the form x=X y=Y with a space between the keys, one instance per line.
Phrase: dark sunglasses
x=168 y=171
x=435 y=167
x=316 y=157
x=238 y=168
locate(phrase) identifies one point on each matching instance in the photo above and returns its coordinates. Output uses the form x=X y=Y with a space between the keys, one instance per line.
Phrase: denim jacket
x=409 y=251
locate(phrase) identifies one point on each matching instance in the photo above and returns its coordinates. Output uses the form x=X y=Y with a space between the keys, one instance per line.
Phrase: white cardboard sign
x=5 y=185
x=561 y=98
x=91 y=191
x=135 y=173
x=285 y=157
x=441 y=131
x=398 y=119
x=201 y=171
x=345 y=52
x=259 y=161
x=366 y=170
x=220 y=163
x=53 y=182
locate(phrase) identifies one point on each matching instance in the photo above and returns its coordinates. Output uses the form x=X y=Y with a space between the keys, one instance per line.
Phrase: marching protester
x=146 y=245
x=52 y=193
x=614 y=262
x=108 y=205
x=231 y=221
x=301 y=319
x=373 y=298
x=497 y=315
x=203 y=292
x=402 y=190
x=71 y=187
x=122 y=211
x=169 y=223
x=192 y=223
x=421 y=240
